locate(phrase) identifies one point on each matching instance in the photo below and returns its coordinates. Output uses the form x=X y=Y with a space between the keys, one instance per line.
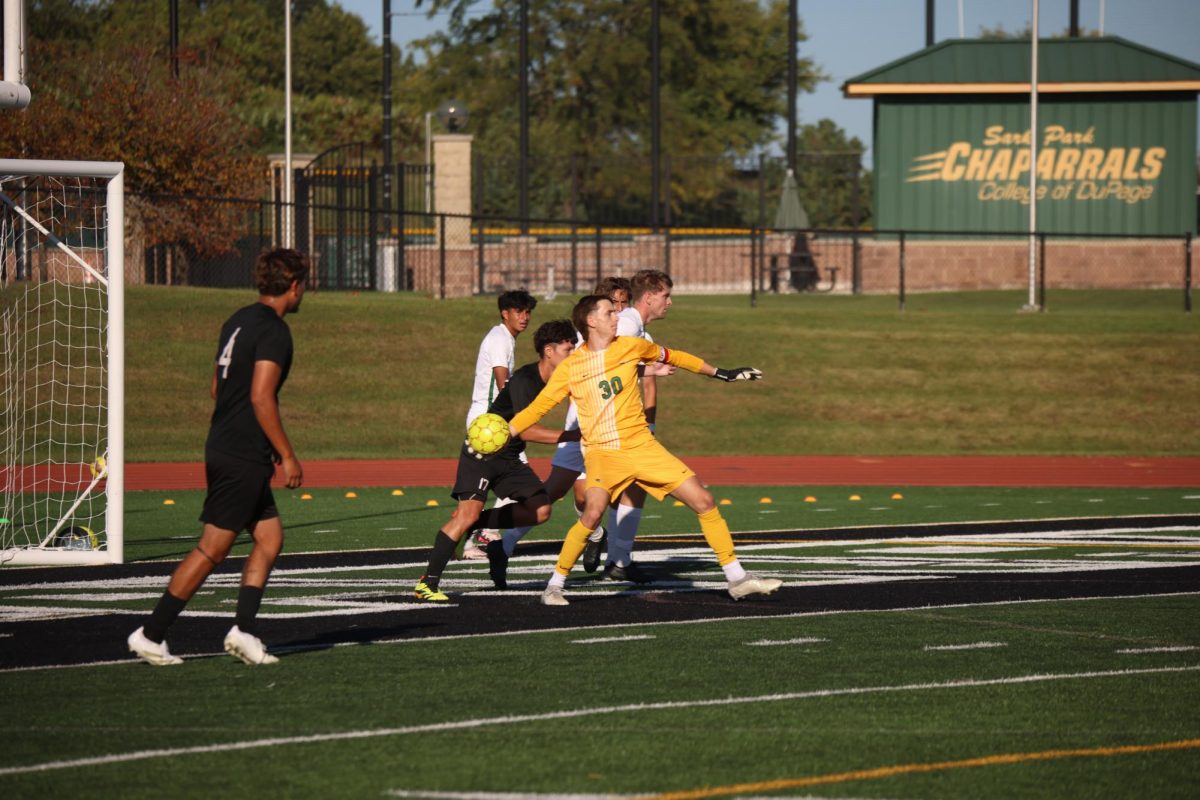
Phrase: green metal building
x=1116 y=140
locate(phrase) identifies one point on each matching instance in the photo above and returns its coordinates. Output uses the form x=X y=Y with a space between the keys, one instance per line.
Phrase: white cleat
x=476 y=547
x=752 y=584
x=155 y=653
x=247 y=648
x=553 y=596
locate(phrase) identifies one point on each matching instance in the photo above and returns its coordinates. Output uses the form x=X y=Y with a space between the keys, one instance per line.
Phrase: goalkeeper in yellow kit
x=619 y=449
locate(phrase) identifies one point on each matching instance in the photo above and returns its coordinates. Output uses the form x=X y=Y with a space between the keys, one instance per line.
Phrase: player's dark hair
x=552 y=332
x=517 y=299
x=612 y=284
x=585 y=306
x=648 y=281
x=276 y=270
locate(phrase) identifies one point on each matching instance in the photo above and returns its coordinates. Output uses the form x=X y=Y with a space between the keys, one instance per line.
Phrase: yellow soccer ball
x=487 y=434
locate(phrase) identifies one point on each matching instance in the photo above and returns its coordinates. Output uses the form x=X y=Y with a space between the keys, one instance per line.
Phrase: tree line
x=104 y=89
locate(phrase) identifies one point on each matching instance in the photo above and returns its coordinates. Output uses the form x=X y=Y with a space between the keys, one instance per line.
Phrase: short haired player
x=493 y=365
x=650 y=298
x=507 y=474
x=245 y=441
x=619 y=449
x=566 y=468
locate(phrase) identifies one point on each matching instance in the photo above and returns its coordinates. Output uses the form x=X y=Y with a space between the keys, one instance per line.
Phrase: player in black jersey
x=245 y=442
x=505 y=473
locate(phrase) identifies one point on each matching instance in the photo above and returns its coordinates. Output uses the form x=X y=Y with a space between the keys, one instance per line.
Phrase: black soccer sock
x=249 y=599
x=500 y=519
x=168 y=608
x=443 y=551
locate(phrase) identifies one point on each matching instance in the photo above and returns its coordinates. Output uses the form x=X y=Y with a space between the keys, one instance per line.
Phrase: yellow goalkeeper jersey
x=604 y=386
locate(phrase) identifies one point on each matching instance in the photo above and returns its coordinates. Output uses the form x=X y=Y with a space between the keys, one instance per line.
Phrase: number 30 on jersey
x=610 y=388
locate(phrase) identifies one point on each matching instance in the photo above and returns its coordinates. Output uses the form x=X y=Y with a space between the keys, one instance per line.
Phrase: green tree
x=834 y=190
x=723 y=84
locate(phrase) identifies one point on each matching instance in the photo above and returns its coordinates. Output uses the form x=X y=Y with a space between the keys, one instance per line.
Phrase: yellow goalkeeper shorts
x=650 y=465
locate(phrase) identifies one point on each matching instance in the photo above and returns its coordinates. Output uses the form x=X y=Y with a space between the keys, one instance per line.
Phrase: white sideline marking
x=1181 y=648
x=605 y=639
x=433 y=795
x=90 y=598
x=943 y=550
x=589 y=628
x=516 y=719
x=773 y=642
x=973 y=646
x=436 y=795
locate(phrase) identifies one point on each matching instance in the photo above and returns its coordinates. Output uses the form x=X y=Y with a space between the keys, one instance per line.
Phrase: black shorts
x=503 y=476
x=239 y=492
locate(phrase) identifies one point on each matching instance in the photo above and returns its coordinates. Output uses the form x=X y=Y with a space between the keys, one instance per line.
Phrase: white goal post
x=62 y=362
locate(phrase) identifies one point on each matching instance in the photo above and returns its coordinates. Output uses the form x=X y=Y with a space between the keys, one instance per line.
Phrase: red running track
x=1080 y=471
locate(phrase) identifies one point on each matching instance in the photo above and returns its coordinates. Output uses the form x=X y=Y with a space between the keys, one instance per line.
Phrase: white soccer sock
x=623 y=526
x=512 y=536
x=734 y=571
x=556 y=580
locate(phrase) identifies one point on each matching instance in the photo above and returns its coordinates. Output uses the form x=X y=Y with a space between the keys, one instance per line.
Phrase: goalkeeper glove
x=738 y=374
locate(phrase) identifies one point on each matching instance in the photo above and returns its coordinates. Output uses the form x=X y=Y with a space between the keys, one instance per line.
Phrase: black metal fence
x=444 y=256
x=697 y=191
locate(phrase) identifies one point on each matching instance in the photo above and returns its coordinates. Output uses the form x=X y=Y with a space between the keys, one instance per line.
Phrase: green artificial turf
x=655 y=708
x=389 y=375
x=375 y=519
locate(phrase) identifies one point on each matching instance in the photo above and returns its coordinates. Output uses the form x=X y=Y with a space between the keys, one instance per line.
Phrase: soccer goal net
x=61 y=361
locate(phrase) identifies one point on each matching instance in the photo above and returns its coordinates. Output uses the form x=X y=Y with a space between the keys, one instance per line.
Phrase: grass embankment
x=389 y=376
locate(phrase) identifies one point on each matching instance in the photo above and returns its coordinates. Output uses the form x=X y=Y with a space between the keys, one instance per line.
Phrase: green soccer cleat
x=425 y=593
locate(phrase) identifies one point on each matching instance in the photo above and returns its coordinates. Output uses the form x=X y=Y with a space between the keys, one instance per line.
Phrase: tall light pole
x=793 y=30
x=523 y=155
x=173 y=23
x=289 y=185
x=387 y=107
x=655 y=114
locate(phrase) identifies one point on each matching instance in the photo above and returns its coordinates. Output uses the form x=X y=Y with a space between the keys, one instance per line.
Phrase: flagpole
x=1033 y=157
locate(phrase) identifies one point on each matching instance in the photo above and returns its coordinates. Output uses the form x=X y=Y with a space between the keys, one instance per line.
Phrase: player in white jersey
x=493 y=365
x=566 y=471
x=650 y=297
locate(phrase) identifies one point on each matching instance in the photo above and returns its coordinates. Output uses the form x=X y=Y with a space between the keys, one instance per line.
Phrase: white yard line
x=776 y=642
x=972 y=646
x=606 y=639
x=1182 y=648
x=631 y=625
x=595 y=711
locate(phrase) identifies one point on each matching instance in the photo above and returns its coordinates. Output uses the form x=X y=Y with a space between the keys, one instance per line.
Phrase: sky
x=849 y=37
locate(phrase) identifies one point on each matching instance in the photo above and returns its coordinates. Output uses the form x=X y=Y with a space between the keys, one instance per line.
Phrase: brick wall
x=723 y=264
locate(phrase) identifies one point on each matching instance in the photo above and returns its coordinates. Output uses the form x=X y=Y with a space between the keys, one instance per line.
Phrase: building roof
x=1001 y=66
